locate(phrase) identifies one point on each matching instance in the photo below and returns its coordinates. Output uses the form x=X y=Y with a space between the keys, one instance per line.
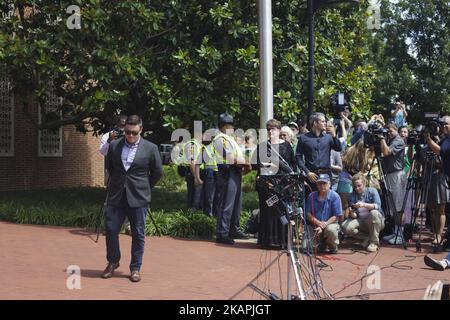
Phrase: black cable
x=324 y=265
x=392 y=265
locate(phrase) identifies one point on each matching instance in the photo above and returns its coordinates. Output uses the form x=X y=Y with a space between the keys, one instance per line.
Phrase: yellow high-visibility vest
x=237 y=151
x=211 y=161
x=192 y=151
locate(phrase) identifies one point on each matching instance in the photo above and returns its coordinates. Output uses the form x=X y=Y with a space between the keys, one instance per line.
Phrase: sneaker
x=372 y=247
x=396 y=240
x=435 y=264
x=389 y=237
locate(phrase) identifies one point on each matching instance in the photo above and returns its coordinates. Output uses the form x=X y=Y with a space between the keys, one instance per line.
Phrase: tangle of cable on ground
x=361 y=279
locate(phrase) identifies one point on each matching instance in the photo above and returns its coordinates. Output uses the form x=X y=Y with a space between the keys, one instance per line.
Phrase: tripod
x=426 y=177
x=286 y=197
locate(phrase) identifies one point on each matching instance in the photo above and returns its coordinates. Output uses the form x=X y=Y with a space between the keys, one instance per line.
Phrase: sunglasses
x=134 y=133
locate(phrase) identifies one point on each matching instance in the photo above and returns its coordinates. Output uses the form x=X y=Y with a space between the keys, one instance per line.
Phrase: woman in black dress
x=271 y=233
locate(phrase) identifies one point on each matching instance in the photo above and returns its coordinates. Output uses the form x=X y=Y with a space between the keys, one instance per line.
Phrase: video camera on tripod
x=375 y=132
x=416 y=136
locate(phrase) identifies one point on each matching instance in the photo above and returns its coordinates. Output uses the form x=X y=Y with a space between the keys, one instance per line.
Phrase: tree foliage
x=411 y=53
x=175 y=61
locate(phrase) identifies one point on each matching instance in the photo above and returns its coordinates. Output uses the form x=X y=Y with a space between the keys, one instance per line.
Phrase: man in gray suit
x=135 y=167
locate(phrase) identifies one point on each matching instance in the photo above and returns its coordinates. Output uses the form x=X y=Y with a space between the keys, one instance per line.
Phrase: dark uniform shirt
x=313 y=152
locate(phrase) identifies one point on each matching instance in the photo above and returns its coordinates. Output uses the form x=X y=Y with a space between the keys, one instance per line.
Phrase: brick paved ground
x=34 y=260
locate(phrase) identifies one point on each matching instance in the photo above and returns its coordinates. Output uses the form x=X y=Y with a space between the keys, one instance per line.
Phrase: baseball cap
x=323 y=177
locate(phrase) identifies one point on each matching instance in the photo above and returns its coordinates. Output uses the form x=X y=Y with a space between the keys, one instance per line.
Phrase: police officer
x=192 y=152
x=208 y=174
x=230 y=163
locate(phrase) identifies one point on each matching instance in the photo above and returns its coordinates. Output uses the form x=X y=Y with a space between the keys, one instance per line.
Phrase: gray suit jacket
x=143 y=174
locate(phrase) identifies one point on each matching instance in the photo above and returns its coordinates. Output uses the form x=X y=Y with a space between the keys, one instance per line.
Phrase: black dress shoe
x=109 y=271
x=240 y=235
x=225 y=240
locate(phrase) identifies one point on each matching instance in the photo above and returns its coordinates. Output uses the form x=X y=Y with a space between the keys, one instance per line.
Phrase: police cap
x=225 y=118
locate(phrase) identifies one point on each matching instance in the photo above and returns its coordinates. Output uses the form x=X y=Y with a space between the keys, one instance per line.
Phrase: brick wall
x=80 y=165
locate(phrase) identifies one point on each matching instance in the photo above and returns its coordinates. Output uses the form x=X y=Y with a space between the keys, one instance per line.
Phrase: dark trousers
x=114 y=219
x=208 y=191
x=229 y=204
x=194 y=192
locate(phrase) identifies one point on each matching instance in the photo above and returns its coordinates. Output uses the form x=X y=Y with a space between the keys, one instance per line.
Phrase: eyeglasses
x=134 y=133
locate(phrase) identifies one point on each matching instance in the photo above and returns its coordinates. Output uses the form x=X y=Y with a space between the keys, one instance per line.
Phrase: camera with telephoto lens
x=338 y=104
x=375 y=132
x=432 y=124
x=416 y=136
x=118 y=132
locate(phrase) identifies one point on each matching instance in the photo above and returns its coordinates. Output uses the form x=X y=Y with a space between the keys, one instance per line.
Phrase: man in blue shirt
x=314 y=148
x=135 y=167
x=323 y=207
x=365 y=219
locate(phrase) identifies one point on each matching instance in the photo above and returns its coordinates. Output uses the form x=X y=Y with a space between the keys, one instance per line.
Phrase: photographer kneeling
x=365 y=219
x=323 y=209
x=393 y=153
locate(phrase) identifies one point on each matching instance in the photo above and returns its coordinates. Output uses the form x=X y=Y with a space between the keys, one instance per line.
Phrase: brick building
x=34 y=159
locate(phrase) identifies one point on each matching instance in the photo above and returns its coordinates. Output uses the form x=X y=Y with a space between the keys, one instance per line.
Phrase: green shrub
x=248 y=181
x=192 y=225
x=162 y=221
x=171 y=180
x=82 y=208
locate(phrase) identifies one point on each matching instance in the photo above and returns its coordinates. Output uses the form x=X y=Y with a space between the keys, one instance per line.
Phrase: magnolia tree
x=176 y=61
